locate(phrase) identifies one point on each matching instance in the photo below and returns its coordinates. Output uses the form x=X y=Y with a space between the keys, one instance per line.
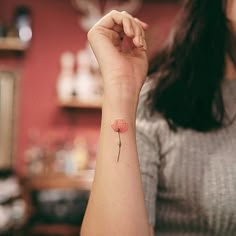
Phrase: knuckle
x=127 y=14
x=112 y=12
x=89 y=34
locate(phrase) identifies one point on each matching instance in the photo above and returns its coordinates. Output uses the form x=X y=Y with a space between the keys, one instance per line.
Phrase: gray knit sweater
x=189 y=178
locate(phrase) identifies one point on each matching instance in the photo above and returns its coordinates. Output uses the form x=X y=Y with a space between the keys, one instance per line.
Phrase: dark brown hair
x=190 y=68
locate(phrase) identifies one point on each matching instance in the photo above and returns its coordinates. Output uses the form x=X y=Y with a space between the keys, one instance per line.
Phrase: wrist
x=127 y=87
x=116 y=107
x=121 y=99
x=128 y=95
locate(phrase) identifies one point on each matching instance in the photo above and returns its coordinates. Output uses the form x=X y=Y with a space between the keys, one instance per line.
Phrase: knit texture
x=189 y=177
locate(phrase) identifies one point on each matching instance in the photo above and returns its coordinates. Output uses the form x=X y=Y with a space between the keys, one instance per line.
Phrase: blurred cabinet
x=9 y=80
x=9 y=86
x=58 y=203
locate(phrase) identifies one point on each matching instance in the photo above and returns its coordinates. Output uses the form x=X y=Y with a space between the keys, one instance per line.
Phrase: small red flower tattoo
x=119 y=126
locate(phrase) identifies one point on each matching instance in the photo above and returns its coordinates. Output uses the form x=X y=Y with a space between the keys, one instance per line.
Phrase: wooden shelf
x=80 y=104
x=55 y=229
x=80 y=182
x=12 y=44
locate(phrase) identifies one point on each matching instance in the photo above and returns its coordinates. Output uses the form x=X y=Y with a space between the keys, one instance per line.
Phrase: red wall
x=55 y=30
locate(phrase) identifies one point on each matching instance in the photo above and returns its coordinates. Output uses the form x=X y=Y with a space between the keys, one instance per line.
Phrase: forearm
x=116 y=205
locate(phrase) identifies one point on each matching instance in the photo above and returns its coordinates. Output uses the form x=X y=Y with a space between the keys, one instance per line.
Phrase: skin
x=116 y=204
x=230 y=11
x=230 y=71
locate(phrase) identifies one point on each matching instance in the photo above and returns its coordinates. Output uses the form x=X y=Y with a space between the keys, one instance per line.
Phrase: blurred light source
x=25 y=33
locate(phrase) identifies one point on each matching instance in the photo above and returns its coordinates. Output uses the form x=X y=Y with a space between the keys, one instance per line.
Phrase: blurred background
x=50 y=107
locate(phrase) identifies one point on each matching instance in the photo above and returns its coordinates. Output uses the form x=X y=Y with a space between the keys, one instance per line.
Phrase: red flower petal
x=120 y=126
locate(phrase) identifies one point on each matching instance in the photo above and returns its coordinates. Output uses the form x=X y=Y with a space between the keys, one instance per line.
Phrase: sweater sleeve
x=148 y=153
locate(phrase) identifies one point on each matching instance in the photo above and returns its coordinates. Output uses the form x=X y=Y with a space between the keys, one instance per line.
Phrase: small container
x=23 y=22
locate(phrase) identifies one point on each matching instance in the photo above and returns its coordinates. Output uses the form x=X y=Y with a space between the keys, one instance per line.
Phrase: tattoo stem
x=118 y=157
x=119 y=126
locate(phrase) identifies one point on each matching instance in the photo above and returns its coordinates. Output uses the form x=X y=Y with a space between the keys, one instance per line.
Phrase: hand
x=118 y=42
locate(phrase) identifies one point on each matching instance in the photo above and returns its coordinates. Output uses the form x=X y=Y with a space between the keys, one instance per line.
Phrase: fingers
x=124 y=22
x=138 y=31
x=128 y=27
x=142 y=23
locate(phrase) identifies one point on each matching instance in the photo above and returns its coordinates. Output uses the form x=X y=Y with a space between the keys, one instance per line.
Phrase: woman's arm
x=151 y=231
x=116 y=206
